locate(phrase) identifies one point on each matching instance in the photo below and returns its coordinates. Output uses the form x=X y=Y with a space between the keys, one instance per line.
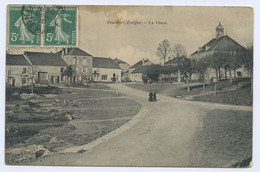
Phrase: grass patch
x=225 y=138
x=197 y=89
x=44 y=120
x=36 y=90
x=90 y=85
x=80 y=134
x=239 y=93
x=239 y=96
x=154 y=87
x=87 y=94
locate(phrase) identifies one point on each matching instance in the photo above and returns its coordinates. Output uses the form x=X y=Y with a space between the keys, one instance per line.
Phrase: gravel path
x=162 y=136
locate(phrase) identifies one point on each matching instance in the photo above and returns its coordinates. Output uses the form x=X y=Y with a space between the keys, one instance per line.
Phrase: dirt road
x=162 y=137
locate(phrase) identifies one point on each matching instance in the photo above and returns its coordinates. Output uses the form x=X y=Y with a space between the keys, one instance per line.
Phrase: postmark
x=60 y=26
x=25 y=25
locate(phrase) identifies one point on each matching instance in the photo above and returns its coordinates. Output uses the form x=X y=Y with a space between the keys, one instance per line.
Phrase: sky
x=190 y=26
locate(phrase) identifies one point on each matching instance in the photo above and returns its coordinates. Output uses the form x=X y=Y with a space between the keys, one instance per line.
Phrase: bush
x=126 y=79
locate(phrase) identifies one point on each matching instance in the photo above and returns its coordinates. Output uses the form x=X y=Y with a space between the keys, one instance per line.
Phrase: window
x=84 y=61
x=24 y=71
x=61 y=69
x=80 y=60
x=84 y=69
x=23 y=81
x=9 y=73
x=239 y=74
x=104 y=77
x=75 y=60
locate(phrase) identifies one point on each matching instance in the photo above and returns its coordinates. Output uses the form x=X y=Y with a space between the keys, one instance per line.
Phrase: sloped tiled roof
x=16 y=59
x=45 y=59
x=224 y=43
x=139 y=63
x=174 y=60
x=145 y=68
x=76 y=52
x=103 y=62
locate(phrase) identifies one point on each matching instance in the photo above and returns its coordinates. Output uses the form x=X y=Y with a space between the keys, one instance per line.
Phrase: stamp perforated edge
x=42 y=31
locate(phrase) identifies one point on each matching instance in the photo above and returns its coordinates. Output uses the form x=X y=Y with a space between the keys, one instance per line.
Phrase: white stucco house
x=105 y=70
x=18 y=70
x=136 y=71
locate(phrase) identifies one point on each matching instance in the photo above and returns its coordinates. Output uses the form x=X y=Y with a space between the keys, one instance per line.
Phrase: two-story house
x=80 y=61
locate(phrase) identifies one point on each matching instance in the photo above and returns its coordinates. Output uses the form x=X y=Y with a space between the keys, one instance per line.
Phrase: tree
x=153 y=71
x=179 y=50
x=248 y=63
x=164 y=50
x=236 y=61
x=69 y=72
x=34 y=71
x=216 y=61
x=186 y=68
x=201 y=68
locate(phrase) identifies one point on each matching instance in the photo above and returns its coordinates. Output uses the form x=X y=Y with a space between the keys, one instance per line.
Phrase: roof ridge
x=27 y=58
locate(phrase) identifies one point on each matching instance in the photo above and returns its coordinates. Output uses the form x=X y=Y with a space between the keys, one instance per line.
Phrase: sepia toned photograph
x=129 y=86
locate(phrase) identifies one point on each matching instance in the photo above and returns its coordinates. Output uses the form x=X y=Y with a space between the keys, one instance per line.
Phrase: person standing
x=150 y=99
x=154 y=97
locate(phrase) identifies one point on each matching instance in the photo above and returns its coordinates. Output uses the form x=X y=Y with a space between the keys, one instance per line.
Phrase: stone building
x=18 y=70
x=47 y=68
x=80 y=61
x=221 y=44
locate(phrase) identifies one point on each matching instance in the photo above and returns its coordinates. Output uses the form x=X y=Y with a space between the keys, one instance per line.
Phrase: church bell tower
x=219 y=30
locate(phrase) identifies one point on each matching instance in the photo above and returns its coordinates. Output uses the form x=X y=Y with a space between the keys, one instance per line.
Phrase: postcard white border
x=256 y=127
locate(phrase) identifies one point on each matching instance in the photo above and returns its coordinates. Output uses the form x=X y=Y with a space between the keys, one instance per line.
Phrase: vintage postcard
x=131 y=86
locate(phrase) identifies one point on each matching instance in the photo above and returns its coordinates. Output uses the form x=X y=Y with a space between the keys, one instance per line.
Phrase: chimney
x=144 y=60
x=66 y=51
x=62 y=52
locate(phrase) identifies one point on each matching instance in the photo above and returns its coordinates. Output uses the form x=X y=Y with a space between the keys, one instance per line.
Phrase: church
x=221 y=44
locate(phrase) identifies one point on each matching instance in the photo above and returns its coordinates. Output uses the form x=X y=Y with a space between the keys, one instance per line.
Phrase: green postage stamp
x=24 y=26
x=60 y=26
x=37 y=25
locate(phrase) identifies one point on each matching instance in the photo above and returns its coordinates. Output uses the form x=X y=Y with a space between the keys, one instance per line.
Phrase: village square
x=187 y=109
